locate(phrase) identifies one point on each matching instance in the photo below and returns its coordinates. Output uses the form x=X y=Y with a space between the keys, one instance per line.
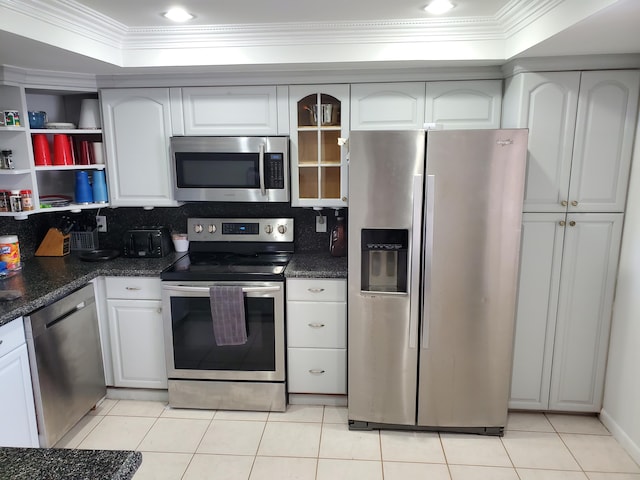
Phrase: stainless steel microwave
x=230 y=169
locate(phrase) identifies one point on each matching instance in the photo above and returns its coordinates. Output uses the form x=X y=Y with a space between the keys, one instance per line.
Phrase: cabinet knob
x=316 y=290
x=572 y=223
x=574 y=203
x=316 y=325
x=1 y=342
x=316 y=371
x=159 y=310
x=564 y=203
x=561 y=223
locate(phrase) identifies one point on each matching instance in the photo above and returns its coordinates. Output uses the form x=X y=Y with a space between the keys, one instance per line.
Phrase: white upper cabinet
x=319 y=115
x=255 y=110
x=605 y=128
x=137 y=129
x=387 y=106
x=465 y=104
x=581 y=129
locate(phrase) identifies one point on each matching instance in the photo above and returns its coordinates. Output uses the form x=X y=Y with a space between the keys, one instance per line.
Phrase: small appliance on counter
x=147 y=242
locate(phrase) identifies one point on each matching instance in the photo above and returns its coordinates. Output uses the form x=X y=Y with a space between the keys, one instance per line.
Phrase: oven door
x=190 y=345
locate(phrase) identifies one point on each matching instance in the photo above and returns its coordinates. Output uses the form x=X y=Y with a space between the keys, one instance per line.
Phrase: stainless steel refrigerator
x=434 y=239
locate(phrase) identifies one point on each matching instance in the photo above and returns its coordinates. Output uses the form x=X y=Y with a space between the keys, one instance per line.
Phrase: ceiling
x=123 y=36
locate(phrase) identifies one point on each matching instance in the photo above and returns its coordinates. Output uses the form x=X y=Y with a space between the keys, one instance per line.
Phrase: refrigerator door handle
x=428 y=256
x=414 y=255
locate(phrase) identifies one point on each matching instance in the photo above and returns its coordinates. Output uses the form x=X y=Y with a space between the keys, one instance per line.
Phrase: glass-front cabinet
x=320 y=127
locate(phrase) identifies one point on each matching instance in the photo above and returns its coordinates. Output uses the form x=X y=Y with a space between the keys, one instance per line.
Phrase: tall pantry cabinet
x=581 y=129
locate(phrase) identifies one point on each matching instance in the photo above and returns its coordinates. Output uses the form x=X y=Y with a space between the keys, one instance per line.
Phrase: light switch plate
x=321 y=223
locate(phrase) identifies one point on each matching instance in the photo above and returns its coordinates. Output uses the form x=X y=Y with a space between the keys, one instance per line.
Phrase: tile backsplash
x=31 y=232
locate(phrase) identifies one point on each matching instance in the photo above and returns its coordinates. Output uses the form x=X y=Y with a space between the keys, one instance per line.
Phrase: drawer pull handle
x=133 y=288
x=316 y=290
x=316 y=371
x=316 y=325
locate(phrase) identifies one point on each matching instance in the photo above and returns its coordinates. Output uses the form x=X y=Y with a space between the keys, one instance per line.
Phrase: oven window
x=194 y=346
x=217 y=170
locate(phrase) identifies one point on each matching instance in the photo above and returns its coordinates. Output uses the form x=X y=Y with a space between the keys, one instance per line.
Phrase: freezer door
x=385 y=199
x=473 y=204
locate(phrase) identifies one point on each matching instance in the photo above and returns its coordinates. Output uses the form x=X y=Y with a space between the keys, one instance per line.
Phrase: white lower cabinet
x=136 y=332
x=317 y=336
x=567 y=281
x=18 y=426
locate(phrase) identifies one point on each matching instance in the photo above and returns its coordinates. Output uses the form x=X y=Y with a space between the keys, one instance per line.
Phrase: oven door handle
x=181 y=288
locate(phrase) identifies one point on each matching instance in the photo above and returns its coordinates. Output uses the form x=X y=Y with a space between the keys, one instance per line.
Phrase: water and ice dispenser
x=384 y=260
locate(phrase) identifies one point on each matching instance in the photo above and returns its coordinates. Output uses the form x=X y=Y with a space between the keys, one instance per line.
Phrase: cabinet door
x=137 y=128
x=230 y=110
x=137 y=343
x=539 y=280
x=589 y=266
x=605 y=129
x=320 y=123
x=464 y=104
x=387 y=106
x=17 y=412
x=546 y=104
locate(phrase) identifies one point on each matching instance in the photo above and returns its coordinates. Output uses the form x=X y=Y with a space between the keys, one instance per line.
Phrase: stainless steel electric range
x=228 y=255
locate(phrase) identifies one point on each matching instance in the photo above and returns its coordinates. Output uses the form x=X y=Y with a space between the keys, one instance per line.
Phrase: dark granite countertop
x=55 y=464
x=316 y=265
x=44 y=280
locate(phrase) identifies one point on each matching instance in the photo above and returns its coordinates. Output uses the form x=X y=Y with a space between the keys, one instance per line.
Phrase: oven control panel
x=240 y=229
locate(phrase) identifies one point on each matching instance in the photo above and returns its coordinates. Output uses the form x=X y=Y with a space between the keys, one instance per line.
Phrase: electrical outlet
x=321 y=223
x=101 y=222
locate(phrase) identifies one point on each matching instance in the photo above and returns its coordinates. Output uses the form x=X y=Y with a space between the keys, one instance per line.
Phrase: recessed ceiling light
x=178 y=14
x=438 y=7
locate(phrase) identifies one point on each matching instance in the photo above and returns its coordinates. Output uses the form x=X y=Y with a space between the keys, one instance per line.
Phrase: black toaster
x=149 y=242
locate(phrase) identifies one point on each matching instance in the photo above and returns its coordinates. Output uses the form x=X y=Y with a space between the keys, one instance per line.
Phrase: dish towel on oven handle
x=228 y=315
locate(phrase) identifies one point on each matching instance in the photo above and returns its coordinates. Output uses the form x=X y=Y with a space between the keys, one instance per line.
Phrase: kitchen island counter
x=55 y=463
x=44 y=280
x=316 y=265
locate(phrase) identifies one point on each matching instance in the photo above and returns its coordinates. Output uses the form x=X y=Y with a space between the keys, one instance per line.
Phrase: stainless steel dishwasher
x=66 y=363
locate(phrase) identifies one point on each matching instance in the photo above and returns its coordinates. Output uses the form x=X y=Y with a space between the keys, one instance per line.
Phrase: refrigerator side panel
x=385 y=169
x=473 y=215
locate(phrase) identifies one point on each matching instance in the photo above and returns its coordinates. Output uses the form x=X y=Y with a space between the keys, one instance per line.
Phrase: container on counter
x=26 y=199
x=5 y=206
x=15 y=201
x=10 y=251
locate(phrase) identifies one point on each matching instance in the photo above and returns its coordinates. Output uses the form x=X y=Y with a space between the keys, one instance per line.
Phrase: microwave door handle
x=183 y=288
x=263 y=189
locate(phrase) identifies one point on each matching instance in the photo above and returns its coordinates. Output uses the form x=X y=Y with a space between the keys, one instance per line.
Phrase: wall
x=31 y=232
x=621 y=410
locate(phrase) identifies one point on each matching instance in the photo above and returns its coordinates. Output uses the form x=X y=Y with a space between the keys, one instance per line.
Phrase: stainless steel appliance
x=66 y=363
x=231 y=169
x=250 y=254
x=147 y=242
x=433 y=263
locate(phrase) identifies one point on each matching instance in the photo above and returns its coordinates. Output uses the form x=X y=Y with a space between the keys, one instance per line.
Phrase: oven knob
x=198 y=228
x=282 y=229
x=212 y=228
x=268 y=229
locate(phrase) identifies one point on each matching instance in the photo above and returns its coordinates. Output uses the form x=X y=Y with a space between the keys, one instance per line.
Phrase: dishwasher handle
x=82 y=305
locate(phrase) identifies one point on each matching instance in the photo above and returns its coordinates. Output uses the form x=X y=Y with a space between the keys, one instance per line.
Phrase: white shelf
x=49 y=168
x=67 y=131
x=12 y=129
x=14 y=171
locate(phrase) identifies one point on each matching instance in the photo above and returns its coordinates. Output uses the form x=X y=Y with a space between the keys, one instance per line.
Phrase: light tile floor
x=314 y=443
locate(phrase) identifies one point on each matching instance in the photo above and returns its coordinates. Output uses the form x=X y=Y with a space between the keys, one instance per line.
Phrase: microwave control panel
x=274 y=170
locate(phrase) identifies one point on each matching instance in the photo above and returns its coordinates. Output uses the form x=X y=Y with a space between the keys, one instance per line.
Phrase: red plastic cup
x=86 y=153
x=62 y=154
x=41 y=151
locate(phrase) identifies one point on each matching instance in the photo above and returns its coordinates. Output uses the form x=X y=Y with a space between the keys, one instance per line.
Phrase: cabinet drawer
x=315 y=289
x=318 y=325
x=317 y=370
x=11 y=336
x=134 y=288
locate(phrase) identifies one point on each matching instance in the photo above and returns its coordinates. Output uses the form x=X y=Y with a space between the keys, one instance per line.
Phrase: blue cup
x=37 y=119
x=84 y=193
x=99 y=187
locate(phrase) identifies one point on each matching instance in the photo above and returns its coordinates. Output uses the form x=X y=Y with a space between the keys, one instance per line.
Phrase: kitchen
x=305 y=218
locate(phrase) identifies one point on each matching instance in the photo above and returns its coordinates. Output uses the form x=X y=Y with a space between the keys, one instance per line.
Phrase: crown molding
x=79 y=82
x=580 y=62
